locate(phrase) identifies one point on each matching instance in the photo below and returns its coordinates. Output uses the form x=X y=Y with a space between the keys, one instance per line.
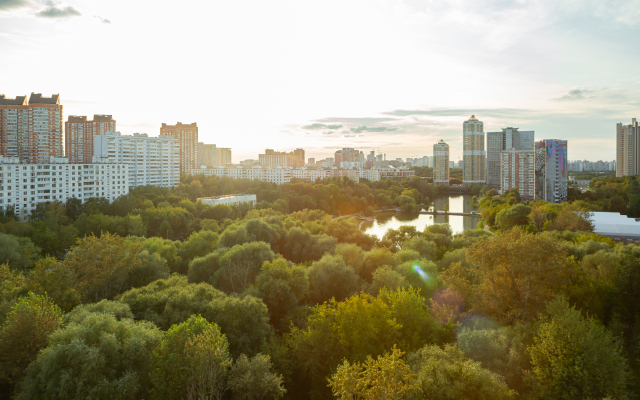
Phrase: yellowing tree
x=387 y=377
x=102 y=264
x=511 y=277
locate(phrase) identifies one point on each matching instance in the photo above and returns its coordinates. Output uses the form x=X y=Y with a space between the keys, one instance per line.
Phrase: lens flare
x=420 y=272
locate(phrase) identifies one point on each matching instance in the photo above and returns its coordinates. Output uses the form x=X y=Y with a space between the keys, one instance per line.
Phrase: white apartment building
x=152 y=160
x=23 y=186
x=352 y=164
x=229 y=199
x=284 y=175
x=517 y=171
x=275 y=175
x=310 y=174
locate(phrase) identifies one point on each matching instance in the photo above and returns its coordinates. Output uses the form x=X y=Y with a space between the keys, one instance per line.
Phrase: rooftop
x=226 y=196
x=36 y=98
x=616 y=225
x=77 y=118
x=102 y=117
x=18 y=101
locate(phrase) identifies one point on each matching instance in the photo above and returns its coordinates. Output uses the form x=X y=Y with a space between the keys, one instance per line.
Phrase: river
x=457 y=203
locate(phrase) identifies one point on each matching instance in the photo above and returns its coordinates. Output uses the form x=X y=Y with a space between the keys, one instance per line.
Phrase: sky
x=393 y=76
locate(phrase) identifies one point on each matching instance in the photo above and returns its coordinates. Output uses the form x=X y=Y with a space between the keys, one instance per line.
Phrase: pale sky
x=393 y=75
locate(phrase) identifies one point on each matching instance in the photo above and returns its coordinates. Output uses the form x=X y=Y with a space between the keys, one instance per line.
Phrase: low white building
x=229 y=199
x=152 y=160
x=23 y=186
x=616 y=225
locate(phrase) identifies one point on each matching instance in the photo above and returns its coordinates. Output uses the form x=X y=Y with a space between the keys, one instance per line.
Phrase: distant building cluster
x=40 y=162
x=592 y=166
x=280 y=175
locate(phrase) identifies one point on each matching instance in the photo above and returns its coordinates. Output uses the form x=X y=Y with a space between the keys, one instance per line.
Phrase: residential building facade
x=207 y=155
x=151 y=160
x=31 y=130
x=224 y=155
x=23 y=186
x=497 y=142
x=628 y=149
x=474 y=155
x=348 y=154
x=441 y=163
x=79 y=133
x=551 y=170
x=187 y=136
x=517 y=172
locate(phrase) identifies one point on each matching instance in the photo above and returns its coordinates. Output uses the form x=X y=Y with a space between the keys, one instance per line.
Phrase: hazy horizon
x=394 y=76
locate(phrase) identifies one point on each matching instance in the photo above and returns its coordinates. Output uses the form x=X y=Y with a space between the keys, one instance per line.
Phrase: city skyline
x=389 y=75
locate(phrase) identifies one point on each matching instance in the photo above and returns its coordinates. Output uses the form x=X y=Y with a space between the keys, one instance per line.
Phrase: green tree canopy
x=244 y=320
x=25 y=332
x=576 y=358
x=99 y=358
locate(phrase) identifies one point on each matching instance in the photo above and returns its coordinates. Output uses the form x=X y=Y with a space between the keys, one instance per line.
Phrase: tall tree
x=25 y=332
x=576 y=358
x=102 y=264
x=512 y=276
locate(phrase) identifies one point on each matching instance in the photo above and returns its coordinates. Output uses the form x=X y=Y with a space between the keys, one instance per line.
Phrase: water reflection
x=459 y=223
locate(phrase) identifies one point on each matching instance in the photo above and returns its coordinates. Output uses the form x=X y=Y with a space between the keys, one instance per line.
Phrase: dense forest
x=158 y=296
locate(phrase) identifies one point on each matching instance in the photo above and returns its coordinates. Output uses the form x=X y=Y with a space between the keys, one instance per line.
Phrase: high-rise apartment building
x=224 y=155
x=627 y=149
x=441 y=163
x=31 y=131
x=348 y=154
x=207 y=155
x=474 y=156
x=297 y=158
x=497 y=142
x=551 y=170
x=151 y=160
x=79 y=133
x=517 y=171
x=187 y=135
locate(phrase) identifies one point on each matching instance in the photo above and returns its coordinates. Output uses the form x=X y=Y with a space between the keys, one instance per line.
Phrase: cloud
x=58 y=12
x=103 y=20
x=328 y=132
x=11 y=4
x=365 y=128
x=321 y=126
x=463 y=113
x=576 y=94
x=363 y=121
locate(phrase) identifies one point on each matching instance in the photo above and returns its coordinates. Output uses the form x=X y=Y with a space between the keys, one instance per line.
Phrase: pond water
x=457 y=203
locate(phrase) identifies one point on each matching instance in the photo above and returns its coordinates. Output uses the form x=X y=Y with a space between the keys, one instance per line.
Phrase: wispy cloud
x=103 y=20
x=320 y=126
x=365 y=128
x=577 y=94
